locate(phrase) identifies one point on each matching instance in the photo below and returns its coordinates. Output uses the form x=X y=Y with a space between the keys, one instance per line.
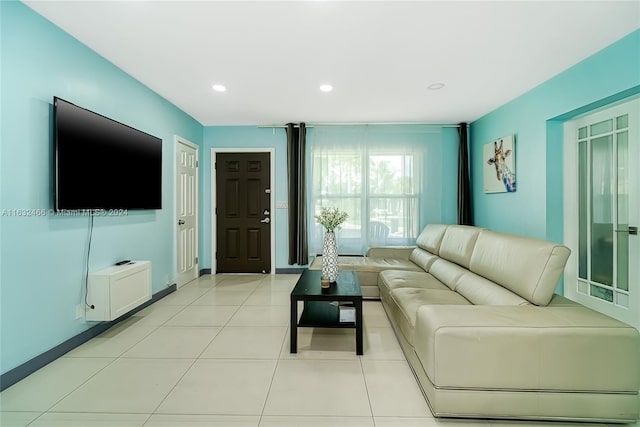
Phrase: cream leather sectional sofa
x=477 y=318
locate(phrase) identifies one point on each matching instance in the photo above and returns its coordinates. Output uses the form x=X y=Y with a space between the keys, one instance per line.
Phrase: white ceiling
x=379 y=56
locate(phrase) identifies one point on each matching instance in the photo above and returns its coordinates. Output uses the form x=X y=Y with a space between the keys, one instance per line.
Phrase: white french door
x=187 y=210
x=602 y=211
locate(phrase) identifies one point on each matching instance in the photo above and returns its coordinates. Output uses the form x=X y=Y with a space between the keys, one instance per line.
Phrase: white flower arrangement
x=331 y=218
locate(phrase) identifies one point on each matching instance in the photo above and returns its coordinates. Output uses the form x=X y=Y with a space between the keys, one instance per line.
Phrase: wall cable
x=86 y=277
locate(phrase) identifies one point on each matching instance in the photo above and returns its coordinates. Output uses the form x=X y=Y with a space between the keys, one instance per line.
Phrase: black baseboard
x=290 y=270
x=278 y=271
x=18 y=373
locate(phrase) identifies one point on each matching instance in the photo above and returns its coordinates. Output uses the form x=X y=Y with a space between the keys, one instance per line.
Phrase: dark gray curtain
x=465 y=216
x=296 y=143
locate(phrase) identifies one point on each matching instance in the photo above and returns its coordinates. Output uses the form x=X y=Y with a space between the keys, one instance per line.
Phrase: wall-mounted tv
x=103 y=164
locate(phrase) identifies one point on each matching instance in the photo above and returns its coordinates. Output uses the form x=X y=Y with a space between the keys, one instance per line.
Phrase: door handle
x=632 y=230
x=181 y=222
x=265 y=221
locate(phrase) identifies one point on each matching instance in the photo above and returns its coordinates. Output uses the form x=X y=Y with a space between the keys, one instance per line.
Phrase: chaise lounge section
x=477 y=318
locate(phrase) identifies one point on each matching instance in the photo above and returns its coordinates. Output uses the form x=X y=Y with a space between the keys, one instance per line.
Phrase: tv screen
x=103 y=164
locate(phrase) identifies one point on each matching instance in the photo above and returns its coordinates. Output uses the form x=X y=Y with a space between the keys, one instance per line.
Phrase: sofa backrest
x=528 y=267
x=431 y=237
x=473 y=261
x=476 y=289
x=451 y=242
x=480 y=291
x=447 y=272
x=428 y=245
x=422 y=258
x=458 y=243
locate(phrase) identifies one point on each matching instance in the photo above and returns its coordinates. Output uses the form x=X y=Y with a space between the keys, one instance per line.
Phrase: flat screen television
x=103 y=164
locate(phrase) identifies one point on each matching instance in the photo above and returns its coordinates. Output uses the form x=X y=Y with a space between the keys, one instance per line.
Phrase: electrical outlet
x=79 y=311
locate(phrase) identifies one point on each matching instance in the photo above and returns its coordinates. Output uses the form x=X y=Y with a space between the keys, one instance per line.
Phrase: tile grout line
x=366 y=387
x=114 y=360
x=275 y=369
x=196 y=358
x=266 y=397
x=199 y=357
x=157 y=327
x=186 y=371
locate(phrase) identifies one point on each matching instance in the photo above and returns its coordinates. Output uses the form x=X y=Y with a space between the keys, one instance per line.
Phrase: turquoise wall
x=440 y=177
x=536 y=118
x=43 y=257
x=216 y=137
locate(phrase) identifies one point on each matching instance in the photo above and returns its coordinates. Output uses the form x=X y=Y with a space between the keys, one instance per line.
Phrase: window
x=375 y=175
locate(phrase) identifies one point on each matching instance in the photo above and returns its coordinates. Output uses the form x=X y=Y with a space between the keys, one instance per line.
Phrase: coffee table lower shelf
x=322 y=314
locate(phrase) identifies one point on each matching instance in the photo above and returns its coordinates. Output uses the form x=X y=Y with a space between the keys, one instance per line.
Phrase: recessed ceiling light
x=219 y=88
x=435 y=86
x=326 y=88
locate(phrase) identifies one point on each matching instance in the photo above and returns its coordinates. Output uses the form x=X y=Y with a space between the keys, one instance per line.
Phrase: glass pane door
x=601 y=210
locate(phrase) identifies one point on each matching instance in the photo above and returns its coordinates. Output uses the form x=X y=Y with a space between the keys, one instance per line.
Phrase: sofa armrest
x=400 y=252
x=527 y=348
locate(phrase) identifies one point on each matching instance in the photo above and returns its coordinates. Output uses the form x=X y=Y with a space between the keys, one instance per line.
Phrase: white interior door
x=187 y=210
x=602 y=211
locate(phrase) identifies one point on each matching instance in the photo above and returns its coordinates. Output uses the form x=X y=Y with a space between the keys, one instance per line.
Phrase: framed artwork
x=499 y=168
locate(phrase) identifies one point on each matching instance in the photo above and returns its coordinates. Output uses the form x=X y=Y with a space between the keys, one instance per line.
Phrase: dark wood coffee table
x=318 y=311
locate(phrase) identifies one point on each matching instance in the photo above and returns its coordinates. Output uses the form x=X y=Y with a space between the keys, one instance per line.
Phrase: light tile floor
x=216 y=353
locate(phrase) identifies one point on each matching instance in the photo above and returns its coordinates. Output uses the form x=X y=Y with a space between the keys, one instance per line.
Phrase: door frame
x=180 y=140
x=570 y=185
x=214 y=217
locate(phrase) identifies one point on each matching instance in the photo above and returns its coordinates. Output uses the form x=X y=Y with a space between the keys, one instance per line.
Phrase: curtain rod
x=312 y=125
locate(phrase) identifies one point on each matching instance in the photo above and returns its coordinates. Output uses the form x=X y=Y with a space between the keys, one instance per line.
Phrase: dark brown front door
x=243 y=200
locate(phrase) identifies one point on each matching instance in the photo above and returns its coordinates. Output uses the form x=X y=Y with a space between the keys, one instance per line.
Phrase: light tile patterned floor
x=216 y=353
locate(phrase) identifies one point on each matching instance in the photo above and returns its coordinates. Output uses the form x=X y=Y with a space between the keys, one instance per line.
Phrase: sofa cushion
x=422 y=258
x=400 y=252
x=447 y=272
x=374 y=264
x=458 y=243
x=481 y=291
x=381 y=264
x=529 y=267
x=527 y=348
x=409 y=300
x=431 y=237
x=394 y=279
